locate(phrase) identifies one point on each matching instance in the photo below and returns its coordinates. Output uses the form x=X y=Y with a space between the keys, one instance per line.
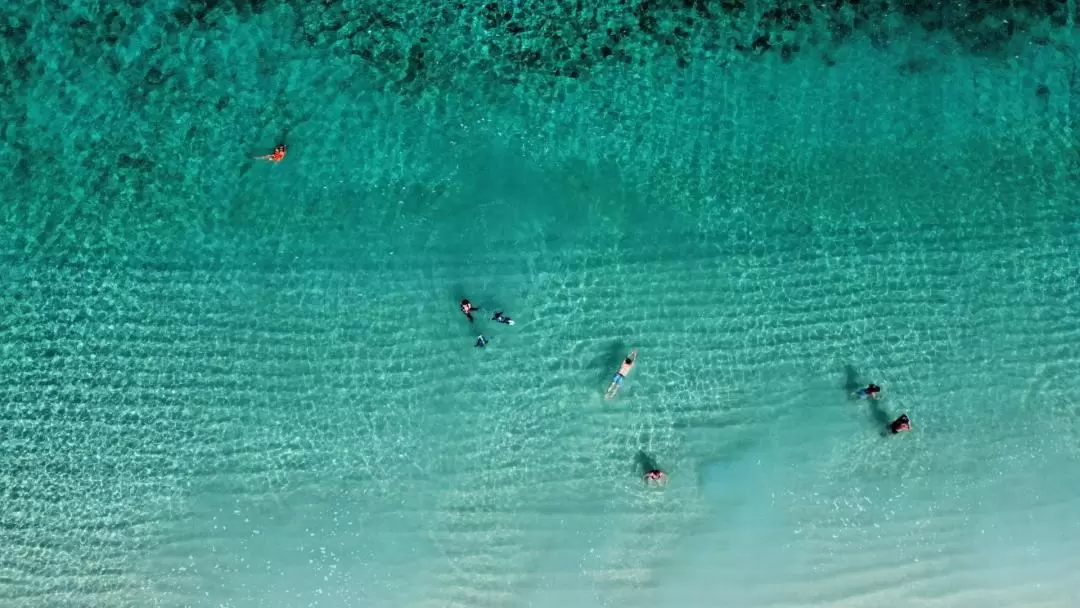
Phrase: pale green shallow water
x=235 y=384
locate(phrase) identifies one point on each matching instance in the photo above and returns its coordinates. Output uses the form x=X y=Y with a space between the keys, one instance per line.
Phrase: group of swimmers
x=873 y=391
x=656 y=476
x=653 y=476
x=467 y=308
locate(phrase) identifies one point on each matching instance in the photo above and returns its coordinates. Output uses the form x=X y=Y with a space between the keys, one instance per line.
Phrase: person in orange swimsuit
x=276 y=156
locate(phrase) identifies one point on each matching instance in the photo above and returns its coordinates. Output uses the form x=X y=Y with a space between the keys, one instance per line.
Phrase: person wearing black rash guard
x=900 y=425
x=467 y=308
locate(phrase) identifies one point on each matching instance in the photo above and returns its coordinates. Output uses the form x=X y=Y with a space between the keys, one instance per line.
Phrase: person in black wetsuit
x=467 y=308
x=499 y=317
x=900 y=425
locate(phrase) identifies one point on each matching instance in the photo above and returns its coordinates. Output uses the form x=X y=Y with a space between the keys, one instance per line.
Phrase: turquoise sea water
x=230 y=383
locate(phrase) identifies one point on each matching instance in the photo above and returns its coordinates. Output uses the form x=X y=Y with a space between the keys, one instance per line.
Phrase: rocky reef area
x=514 y=39
x=206 y=74
x=568 y=38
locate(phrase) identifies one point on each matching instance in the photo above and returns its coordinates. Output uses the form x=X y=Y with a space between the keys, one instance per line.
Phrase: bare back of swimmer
x=624 y=370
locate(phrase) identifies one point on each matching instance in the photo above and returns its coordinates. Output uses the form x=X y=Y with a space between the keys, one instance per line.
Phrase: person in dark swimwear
x=872 y=391
x=900 y=425
x=499 y=317
x=468 y=308
x=481 y=342
x=655 y=476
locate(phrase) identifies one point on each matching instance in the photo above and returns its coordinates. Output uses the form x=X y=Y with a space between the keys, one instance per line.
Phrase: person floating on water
x=655 y=476
x=624 y=369
x=468 y=308
x=900 y=425
x=872 y=391
x=499 y=317
x=481 y=342
x=276 y=156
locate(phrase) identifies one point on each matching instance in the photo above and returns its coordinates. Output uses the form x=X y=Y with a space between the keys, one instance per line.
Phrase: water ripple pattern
x=233 y=383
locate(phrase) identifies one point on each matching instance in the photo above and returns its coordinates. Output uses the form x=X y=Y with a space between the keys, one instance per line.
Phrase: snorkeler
x=900 y=425
x=468 y=308
x=276 y=156
x=481 y=342
x=499 y=317
x=872 y=391
x=624 y=369
x=655 y=476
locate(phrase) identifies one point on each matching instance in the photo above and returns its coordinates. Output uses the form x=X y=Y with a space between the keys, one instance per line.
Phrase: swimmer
x=501 y=318
x=481 y=342
x=900 y=425
x=624 y=369
x=468 y=308
x=872 y=391
x=276 y=156
x=657 y=476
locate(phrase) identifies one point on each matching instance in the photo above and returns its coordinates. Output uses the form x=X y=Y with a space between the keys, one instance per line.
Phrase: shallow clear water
x=228 y=383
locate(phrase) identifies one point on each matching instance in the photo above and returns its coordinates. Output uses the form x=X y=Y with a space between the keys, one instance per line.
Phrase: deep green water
x=229 y=383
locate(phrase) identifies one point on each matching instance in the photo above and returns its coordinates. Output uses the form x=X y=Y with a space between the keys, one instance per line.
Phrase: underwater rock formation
x=567 y=40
